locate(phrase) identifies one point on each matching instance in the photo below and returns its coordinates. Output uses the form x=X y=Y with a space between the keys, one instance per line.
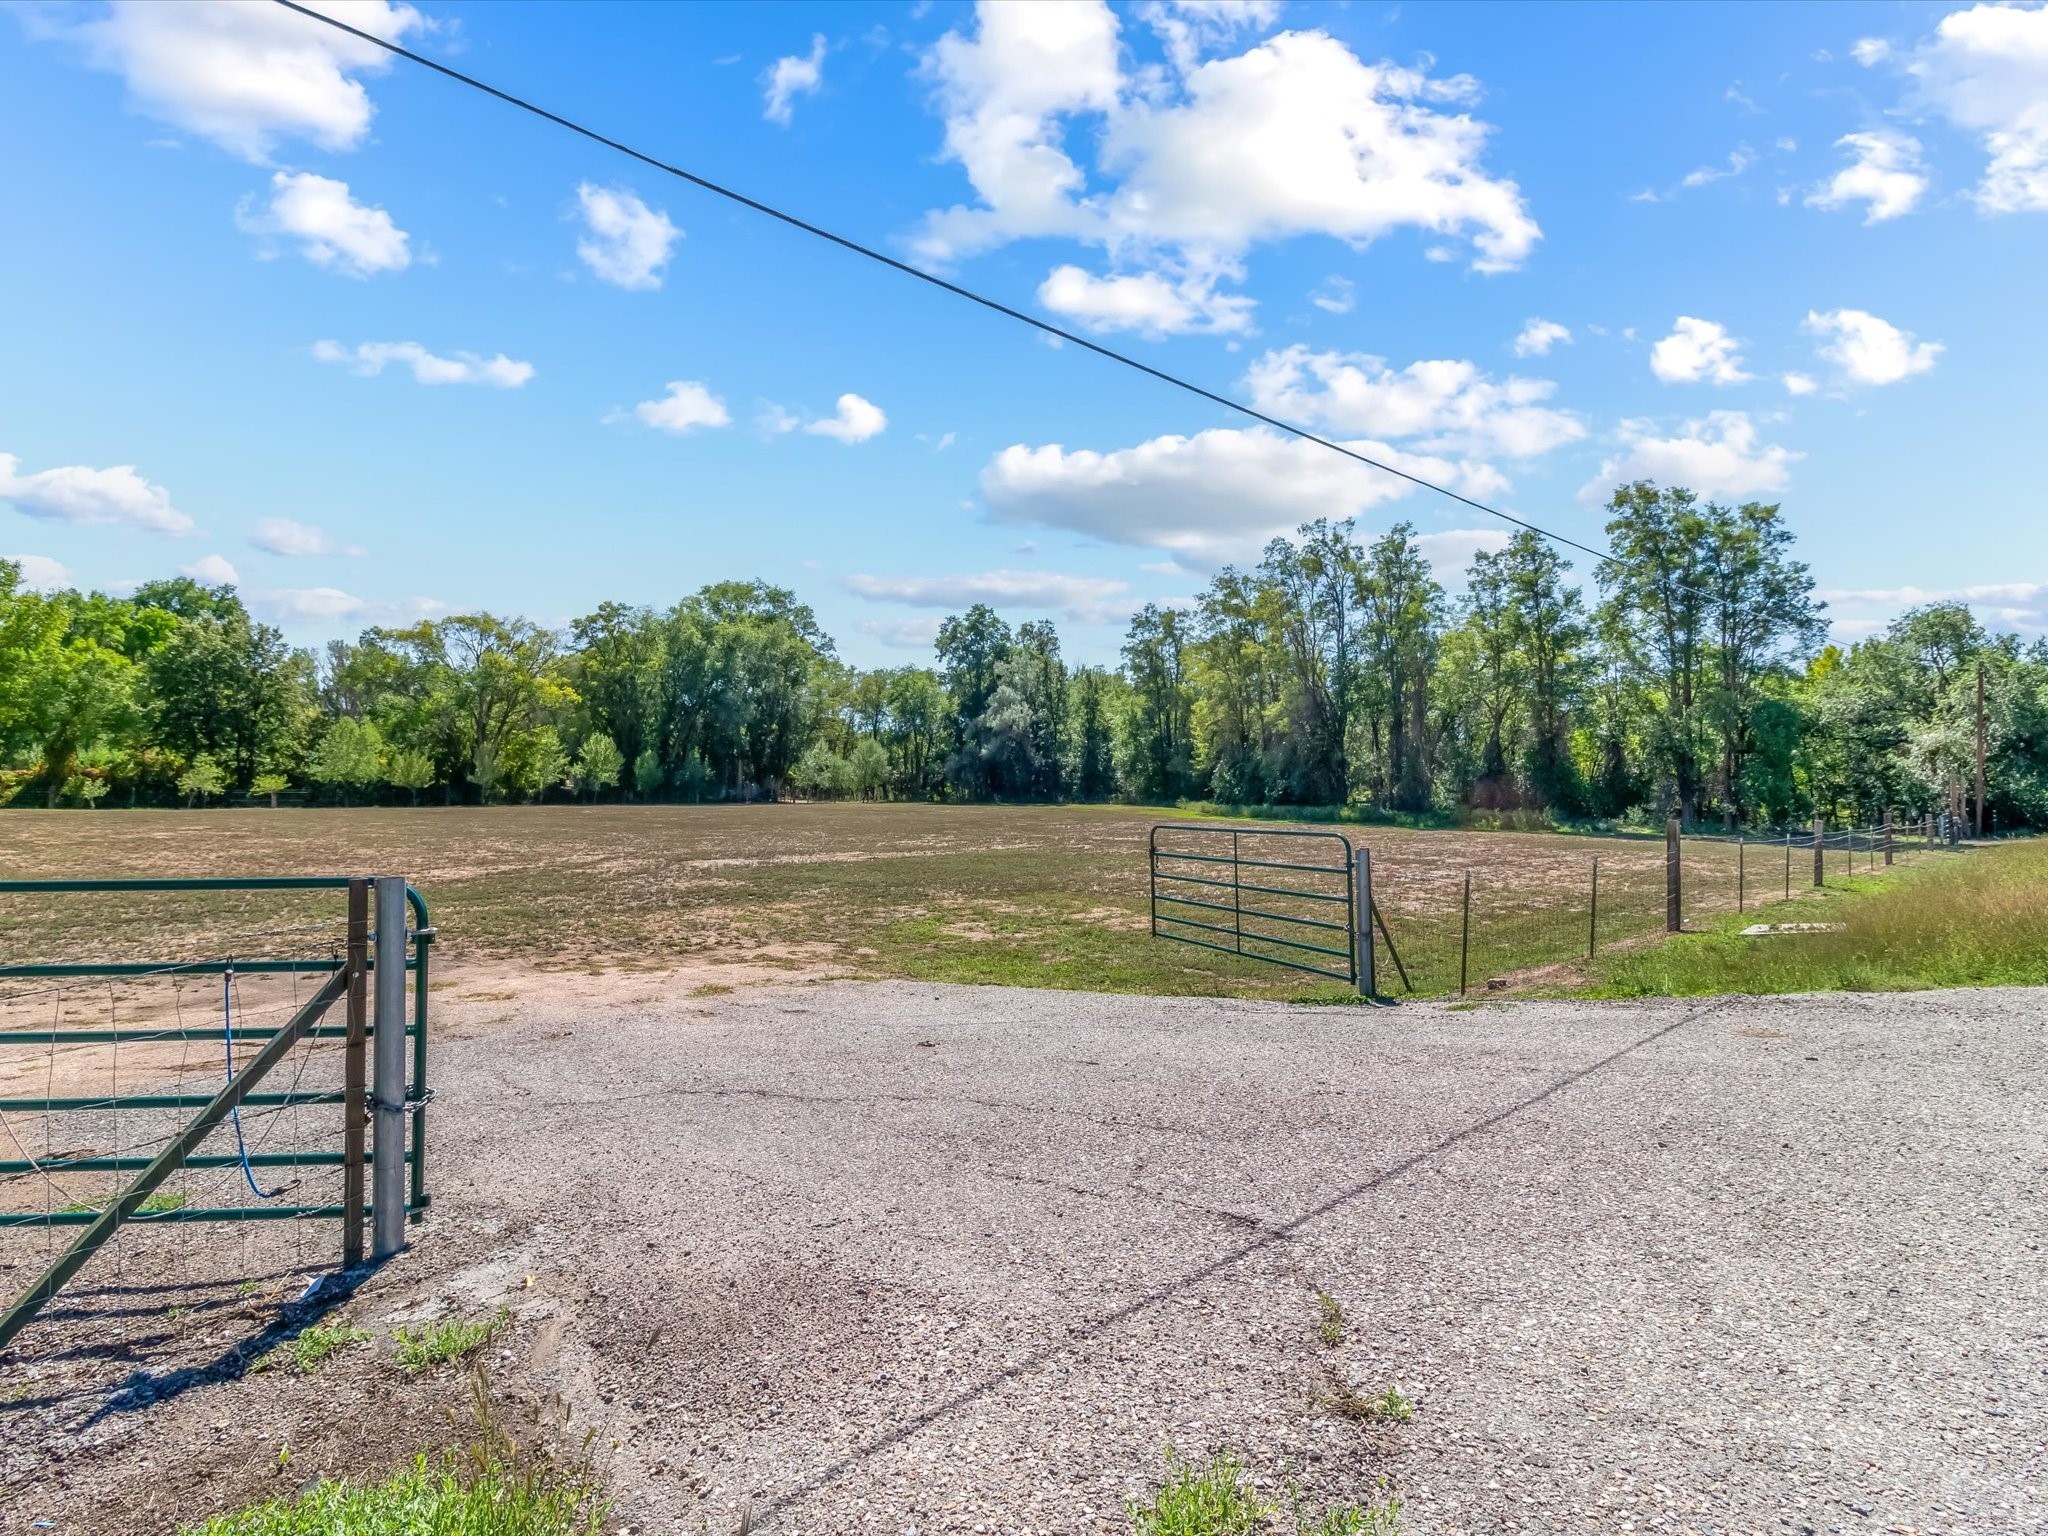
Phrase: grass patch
x=163 y=1200
x=432 y=1344
x=1382 y=1517
x=311 y=1347
x=1330 y=1319
x=494 y=1487
x=1214 y=1498
x=1965 y=920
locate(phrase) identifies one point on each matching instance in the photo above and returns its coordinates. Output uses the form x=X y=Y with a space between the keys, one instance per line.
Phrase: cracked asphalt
x=908 y=1258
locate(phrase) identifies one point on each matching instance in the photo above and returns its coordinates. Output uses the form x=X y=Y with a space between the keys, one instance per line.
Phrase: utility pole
x=1980 y=746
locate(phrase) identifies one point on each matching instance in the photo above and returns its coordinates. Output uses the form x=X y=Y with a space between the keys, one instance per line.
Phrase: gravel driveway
x=903 y=1258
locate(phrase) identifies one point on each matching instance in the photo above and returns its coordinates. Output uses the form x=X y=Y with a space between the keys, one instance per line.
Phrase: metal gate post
x=353 y=1074
x=1361 y=921
x=387 y=1173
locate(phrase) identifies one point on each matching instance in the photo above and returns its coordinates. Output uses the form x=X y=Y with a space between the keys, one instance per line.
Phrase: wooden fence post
x=1465 y=934
x=1674 y=917
x=1820 y=872
x=1593 y=912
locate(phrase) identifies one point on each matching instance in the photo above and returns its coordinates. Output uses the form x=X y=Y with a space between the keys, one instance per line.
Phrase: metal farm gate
x=119 y=1075
x=1237 y=890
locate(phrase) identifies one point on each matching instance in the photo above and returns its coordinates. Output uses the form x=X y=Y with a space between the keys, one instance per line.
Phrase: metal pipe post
x=1674 y=917
x=1361 y=921
x=353 y=1074
x=387 y=1172
x=1465 y=934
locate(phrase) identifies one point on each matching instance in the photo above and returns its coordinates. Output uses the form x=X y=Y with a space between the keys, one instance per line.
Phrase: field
x=1037 y=896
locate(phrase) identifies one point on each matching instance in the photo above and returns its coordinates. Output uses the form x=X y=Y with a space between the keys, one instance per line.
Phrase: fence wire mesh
x=100 y=1073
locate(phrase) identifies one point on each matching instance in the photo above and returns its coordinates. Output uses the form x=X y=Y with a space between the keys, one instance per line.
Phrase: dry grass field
x=1044 y=896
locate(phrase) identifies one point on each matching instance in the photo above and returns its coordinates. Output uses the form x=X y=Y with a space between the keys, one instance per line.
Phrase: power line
x=937 y=282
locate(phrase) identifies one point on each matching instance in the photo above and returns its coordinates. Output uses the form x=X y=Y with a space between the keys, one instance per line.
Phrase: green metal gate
x=342 y=981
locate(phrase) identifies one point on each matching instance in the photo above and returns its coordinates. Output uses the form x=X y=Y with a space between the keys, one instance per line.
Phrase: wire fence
x=1480 y=927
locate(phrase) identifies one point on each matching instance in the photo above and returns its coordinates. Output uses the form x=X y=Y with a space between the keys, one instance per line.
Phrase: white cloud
x=1868 y=350
x=1337 y=295
x=248 y=75
x=627 y=243
x=1539 y=336
x=1294 y=136
x=1087 y=599
x=87 y=497
x=1868 y=51
x=370 y=358
x=332 y=229
x=1216 y=496
x=282 y=536
x=1192 y=28
x=1148 y=302
x=1718 y=456
x=1885 y=173
x=904 y=634
x=2019 y=606
x=1800 y=383
x=39 y=573
x=687 y=405
x=1446 y=406
x=1698 y=350
x=1740 y=159
x=214 y=570
x=309 y=603
x=1986 y=70
x=857 y=420
x=791 y=77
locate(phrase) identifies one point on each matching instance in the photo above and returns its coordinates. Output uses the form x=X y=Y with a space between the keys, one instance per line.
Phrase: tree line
x=1691 y=677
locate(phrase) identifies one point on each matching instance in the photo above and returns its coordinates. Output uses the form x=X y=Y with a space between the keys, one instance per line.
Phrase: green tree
x=409 y=769
x=270 y=786
x=599 y=763
x=201 y=779
x=349 y=756
x=1158 y=751
x=867 y=768
x=648 y=774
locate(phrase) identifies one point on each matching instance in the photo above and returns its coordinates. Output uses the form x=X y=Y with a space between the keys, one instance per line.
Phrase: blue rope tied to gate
x=227 y=1025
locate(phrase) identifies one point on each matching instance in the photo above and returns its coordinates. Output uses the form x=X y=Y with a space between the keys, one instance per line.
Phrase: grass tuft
x=1330 y=1325
x=1382 y=1517
x=1214 y=1498
x=308 y=1349
x=433 y=1344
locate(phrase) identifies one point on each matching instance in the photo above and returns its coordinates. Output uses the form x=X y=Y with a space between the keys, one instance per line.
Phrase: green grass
x=1973 y=919
x=1382 y=1517
x=433 y=1344
x=490 y=1496
x=307 y=1350
x=1214 y=1498
x=162 y=1200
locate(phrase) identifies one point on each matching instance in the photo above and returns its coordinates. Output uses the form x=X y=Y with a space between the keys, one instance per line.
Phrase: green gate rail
x=345 y=979
x=1189 y=881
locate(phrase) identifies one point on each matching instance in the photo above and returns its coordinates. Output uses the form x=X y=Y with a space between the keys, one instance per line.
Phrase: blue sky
x=380 y=346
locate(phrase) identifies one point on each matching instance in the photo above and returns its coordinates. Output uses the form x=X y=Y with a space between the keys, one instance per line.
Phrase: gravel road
x=904 y=1258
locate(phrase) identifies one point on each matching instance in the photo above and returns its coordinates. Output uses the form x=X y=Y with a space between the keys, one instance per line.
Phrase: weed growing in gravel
x=1392 y=1406
x=1212 y=1499
x=1330 y=1329
x=420 y=1349
x=311 y=1346
x=162 y=1200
